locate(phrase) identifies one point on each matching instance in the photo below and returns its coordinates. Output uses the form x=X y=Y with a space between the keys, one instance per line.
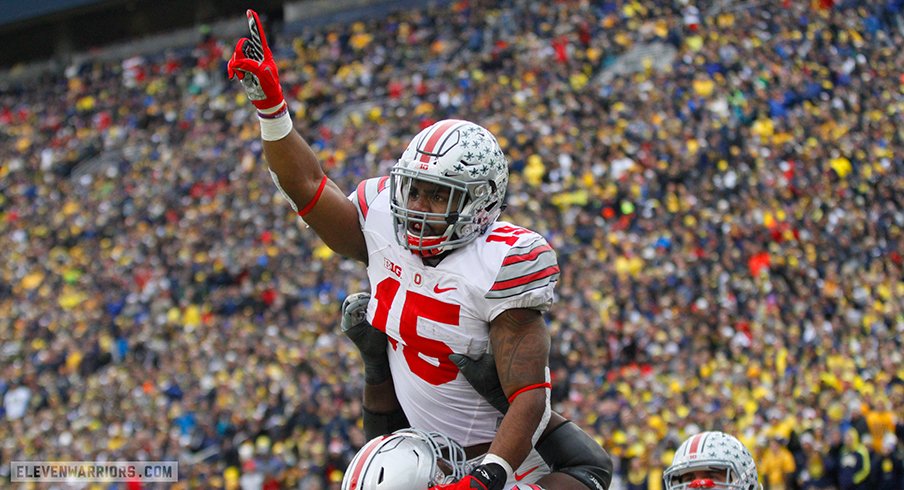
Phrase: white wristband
x=276 y=128
x=492 y=458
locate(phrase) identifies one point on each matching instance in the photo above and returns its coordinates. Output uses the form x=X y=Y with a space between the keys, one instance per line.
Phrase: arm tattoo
x=521 y=346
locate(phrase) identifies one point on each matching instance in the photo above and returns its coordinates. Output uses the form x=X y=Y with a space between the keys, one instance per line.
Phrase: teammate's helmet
x=465 y=158
x=712 y=451
x=407 y=459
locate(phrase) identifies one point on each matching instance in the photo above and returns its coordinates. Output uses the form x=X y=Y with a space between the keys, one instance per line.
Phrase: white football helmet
x=464 y=157
x=712 y=451
x=407 y=459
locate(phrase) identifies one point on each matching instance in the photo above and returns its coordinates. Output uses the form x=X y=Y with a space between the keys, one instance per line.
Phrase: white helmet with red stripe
x=465 y=158
x=716 y=453
x=407 y=459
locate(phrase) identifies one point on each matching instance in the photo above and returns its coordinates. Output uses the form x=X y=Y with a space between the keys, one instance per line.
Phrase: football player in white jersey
x=446 y=279
x=563 y=447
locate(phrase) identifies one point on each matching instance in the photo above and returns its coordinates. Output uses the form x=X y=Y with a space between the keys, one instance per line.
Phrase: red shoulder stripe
x=530 y=255
x=520 y=281
x=362 y=198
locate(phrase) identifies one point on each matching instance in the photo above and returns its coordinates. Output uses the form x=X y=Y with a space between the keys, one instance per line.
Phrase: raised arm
x=292 y=163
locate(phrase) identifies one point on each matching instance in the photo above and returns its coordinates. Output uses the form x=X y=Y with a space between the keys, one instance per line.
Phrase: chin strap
x=415 y=242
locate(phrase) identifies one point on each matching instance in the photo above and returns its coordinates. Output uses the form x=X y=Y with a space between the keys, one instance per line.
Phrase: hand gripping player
x=446 y=277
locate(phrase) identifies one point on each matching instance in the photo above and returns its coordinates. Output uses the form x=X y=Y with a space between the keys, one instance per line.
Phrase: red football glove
x=489 y=476
x=253 y=63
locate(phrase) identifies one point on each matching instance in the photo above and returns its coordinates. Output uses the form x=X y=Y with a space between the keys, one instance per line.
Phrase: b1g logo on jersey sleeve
x=414 y=307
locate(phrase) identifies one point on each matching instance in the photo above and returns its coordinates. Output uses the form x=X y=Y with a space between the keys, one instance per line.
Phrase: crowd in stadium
x=729 y=232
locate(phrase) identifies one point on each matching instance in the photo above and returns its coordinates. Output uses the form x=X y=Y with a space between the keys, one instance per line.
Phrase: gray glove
x=371 y=342
x=481 y=374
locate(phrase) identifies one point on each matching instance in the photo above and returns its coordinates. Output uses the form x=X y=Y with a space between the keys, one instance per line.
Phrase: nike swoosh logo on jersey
x=522 y=475
x=439 y=290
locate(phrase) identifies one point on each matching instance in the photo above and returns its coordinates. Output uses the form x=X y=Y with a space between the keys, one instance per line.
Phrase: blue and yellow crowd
x=729 y=230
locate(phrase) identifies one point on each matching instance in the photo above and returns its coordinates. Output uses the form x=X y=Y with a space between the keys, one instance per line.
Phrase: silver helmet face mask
x=465 y=159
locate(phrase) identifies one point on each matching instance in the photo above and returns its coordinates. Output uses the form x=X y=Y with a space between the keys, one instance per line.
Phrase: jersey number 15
x=418 y=306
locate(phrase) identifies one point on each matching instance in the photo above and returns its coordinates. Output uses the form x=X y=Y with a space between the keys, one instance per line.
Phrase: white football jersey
x=431 y=312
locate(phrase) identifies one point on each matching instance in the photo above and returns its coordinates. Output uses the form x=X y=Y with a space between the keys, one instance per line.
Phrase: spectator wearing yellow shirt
x=640 y=477
x=880 y=422
x=777 y=466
